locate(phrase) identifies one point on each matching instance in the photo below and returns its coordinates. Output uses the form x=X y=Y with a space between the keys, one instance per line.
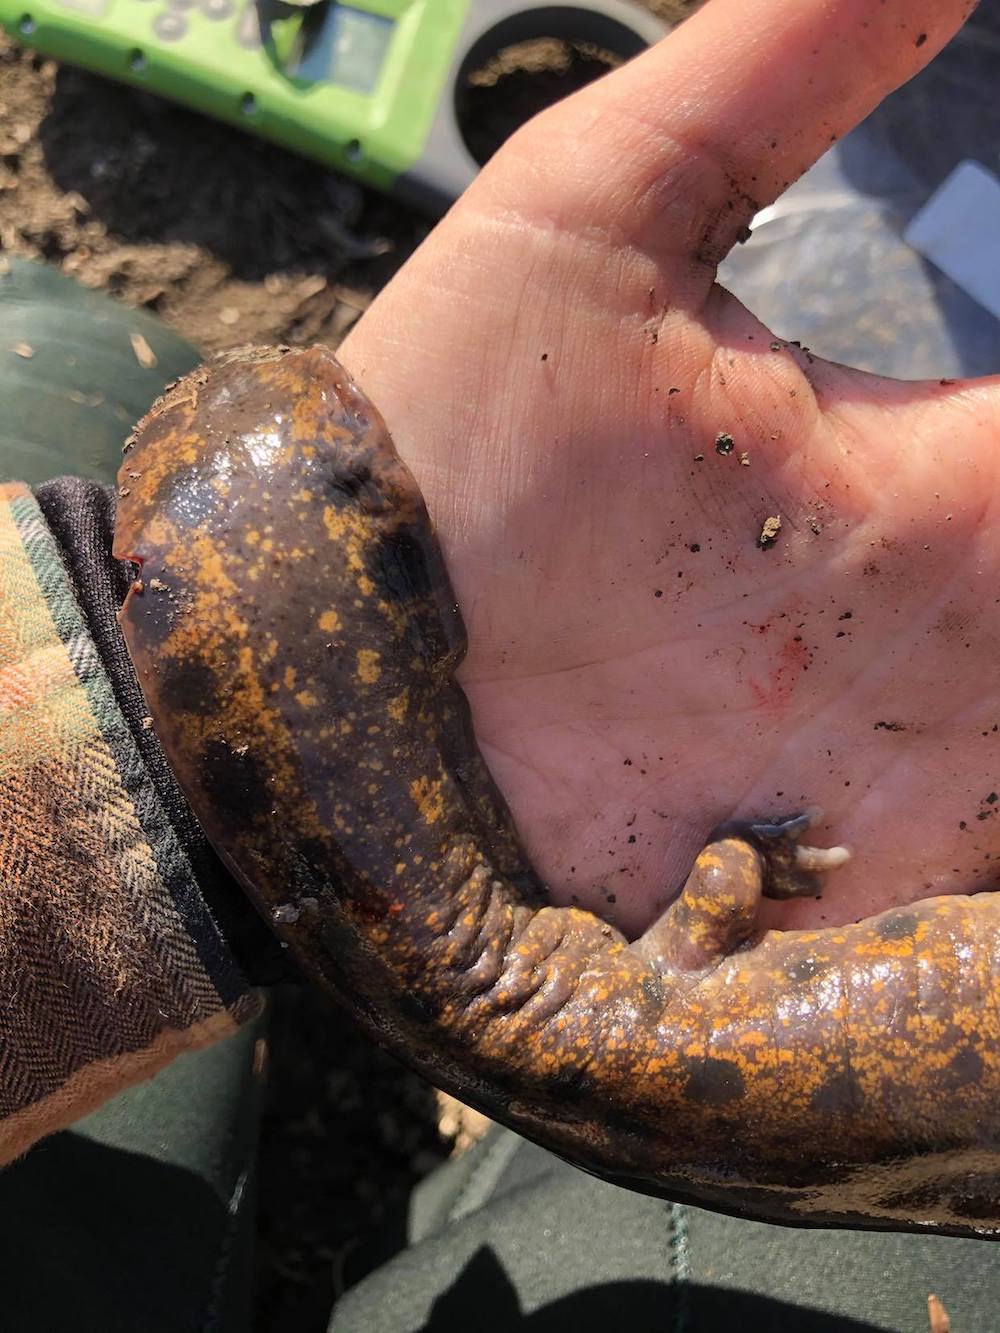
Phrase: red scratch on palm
x=789 y=664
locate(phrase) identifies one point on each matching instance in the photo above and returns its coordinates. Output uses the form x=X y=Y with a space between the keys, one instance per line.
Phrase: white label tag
x=958 y=229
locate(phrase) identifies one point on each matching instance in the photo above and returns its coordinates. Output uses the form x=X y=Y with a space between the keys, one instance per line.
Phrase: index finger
x=677 y=150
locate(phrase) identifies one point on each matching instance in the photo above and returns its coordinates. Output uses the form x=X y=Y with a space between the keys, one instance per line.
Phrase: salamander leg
x=717 y=908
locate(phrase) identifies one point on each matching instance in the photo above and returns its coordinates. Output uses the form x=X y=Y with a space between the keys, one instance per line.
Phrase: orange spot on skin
x=368 y=666
x=428 y=798
x=753 y=1038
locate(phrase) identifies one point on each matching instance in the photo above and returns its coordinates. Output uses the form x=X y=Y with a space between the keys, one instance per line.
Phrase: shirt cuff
x=110 y=961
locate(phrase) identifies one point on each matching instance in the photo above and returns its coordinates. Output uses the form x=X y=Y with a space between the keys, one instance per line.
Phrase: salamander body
x=296 y=637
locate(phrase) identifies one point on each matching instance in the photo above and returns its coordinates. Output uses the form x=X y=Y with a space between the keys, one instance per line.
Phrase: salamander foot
x=791 y=869
x=716 y=912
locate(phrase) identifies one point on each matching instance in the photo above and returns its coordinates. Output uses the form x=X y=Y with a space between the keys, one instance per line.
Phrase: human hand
x=556 y=364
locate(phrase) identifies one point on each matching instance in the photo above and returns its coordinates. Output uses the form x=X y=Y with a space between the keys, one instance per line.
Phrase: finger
x=951 y=465
x=677 y=150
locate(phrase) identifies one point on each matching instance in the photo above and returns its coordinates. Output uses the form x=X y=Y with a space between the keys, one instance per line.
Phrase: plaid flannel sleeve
x=110 y=962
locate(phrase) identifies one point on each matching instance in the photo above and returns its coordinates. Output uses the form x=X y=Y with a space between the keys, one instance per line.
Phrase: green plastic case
x=367 y=87
x=243 y=63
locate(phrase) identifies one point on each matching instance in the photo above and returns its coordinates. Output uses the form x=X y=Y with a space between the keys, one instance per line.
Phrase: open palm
x=564 y=378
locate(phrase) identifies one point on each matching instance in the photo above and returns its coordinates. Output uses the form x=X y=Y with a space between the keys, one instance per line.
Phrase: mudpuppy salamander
x=296 y=637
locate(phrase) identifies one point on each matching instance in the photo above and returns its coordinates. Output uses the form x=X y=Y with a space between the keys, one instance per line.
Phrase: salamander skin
x=296 y=637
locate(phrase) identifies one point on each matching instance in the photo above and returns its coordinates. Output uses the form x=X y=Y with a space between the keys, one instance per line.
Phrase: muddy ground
x=231 y=240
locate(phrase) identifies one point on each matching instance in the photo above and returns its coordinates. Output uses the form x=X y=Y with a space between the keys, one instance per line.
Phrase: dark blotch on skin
x=311 y=859
x=919 y=1199
x=398 y=565
x=979 y=1201
x=714 y=1082
x=567 y=1084
x=839 y=1095
x=188 y=684
x=350 y=481
x=897 y=926
x=803 y=970
x=966 y=1068
x=357 y=487
x=241 y=790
